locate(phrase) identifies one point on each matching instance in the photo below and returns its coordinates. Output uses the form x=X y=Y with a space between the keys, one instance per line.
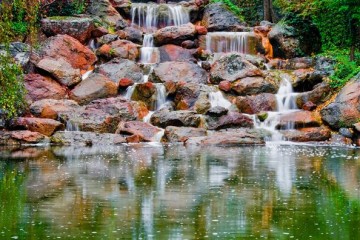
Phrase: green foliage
x=344 y=70
x=65 y=8
x=231 y=6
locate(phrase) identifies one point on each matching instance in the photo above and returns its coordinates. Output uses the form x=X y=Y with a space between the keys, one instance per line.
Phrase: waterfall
x=71 y=126
x=286 y=103
x=160 y=95
x=217 y=99
x=153 y=16
x=149 y=53
x=224 y=42
x=129 y=91
x=86 y=75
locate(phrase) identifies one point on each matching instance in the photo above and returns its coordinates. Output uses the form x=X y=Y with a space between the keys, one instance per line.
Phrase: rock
x=44 y=126
x=295 y=41
x=19 y=51
x=122 y=6
x=225 y=86
x=218 y=18
x=174 y=34
x=189 y=44
x=229 y=138
x=262 y=116
x=299 y=119
x=305 y=80
x=133 y=139
x=345 y=110
x=232 y=67
x=183 y=118
x=119 y=68
x=79 y=28
x=125 y=83
x=178 y=72
x=346 y=132
x=61 y=70
x=39 y=87
x=217 y=111
x=230 y=120
x=94 y=87
x=104 y=10
x=314 y=134
x=68 y=48
x=22 y=137
x=99 y=32
x=86 y=139
x=119 y=48
x=107 y=39
x=201 y=30
x=145 y=131
x=51 y=108
x=206 y=65
x=134 y=35
x=256 y=104
x=186 y=96
x=309 y=106
x=252 y=86
x=182 y=134
x=172 y=52
x=318 y=95
x=324 y=66
x=146 y=93
x=339 y=140
x=2 y=119
x=102 y=115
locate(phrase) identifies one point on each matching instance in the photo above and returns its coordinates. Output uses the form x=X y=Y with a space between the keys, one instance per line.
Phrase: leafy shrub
x=231 y=6
x=64 y=8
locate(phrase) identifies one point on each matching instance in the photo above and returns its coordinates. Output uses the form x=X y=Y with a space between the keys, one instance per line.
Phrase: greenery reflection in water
x=173 y=192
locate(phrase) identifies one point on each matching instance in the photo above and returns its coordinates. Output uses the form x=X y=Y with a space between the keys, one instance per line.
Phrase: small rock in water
x=262 y=116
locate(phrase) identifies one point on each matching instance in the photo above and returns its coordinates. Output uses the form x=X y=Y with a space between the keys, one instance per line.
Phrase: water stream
x=224 y=42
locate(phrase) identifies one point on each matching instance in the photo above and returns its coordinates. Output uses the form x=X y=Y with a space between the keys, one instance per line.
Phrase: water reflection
x=174 y=192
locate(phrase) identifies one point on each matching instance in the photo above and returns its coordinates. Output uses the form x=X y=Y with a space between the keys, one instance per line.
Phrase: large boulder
x=120 y=68
x=182 y=134
x=104 y=10
x=76 y=27
x=318 y=95
x=345 y=110
x=122 y=6
x=232 y=67
x=19 y=51
x=94 y=87
x=145 y=131
x=178 y=72
x=44 y=126
x=40 y=87
x=22 y=137
x=299 y=119
x=79 y=138
x=313 y=134
x=119 y=48
x=257 y=103
x=61 y=70
x=305 y=79
x=184 y=118
x=188 y=94
x=174 y=34
x=68 y=48
x=146 y=93
x=52 y=108
x=301 y=39
x=230 y=120
x=252 y=86
x=172 y=52
x=218 y=18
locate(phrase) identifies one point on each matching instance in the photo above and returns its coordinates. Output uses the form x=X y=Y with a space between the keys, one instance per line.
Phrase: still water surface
x=174 y=192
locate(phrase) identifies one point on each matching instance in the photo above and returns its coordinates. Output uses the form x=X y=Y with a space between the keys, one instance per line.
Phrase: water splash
x=129 y=91
x=149 y=53
x=217 y=99
x=224 y=42
x=86 y=75
x=72 y=126
x=160 y=95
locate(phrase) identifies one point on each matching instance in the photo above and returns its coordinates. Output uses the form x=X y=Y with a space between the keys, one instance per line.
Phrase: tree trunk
x=268 y=10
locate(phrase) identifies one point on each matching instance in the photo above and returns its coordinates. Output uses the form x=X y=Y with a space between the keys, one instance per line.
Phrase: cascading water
x=224 y=42
x=71 y=126
x=149 y=53
x=285 y=99
x=217 y=99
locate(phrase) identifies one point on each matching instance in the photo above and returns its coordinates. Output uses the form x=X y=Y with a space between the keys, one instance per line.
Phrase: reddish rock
x=309 y=106
x=79 y=28
x=68 y=48
x=256 y=104
x=22 y=137
x=144 y=130
x=99 y=32
x=51 y=108
x=225 y=86
x=125 y=82
x=189 y=44
x=183 y=118
x=201 y=30
x=172 y=52
x=175 y=34
x=146 y=93
x=313 y=134
x=94 y=87
x=318 y=95
x=41 y=125
x=133 y=139
x=299 y=119
x=182 y=134
x=230 y=120
x=252 y=86
x=119 y=48
x=40 y=87
x=104 y=10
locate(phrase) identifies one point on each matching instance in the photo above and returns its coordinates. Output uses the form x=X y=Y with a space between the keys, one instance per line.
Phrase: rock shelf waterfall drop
x=285 y=100
x=217 y=100
x=149 y=53
x=224 y=42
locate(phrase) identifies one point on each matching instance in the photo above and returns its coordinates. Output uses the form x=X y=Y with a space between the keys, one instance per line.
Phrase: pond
x=175 y=192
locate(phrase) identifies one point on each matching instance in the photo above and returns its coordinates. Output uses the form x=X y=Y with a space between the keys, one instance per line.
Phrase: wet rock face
x=22 y=137
x=182 y=118
x=41 y=125
x=318 y=95
x=78 y=138
x=119 y=68
x=257 y=103
x=67 y=48
x=76 y=27
x=172 y=52
x=146 y=93
x=104 y=10
x=230 y=120
x=232 y=67
x=145 y=131
x=174 y=34
x=39 y=87
x=94 y=87
x=299 y=119
x=252 y=86
x=314 y=134
x=345 y=110
x=218 y=18
x=182 y=134
x=51 y=108
x=119 y=49
x=178 y=72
